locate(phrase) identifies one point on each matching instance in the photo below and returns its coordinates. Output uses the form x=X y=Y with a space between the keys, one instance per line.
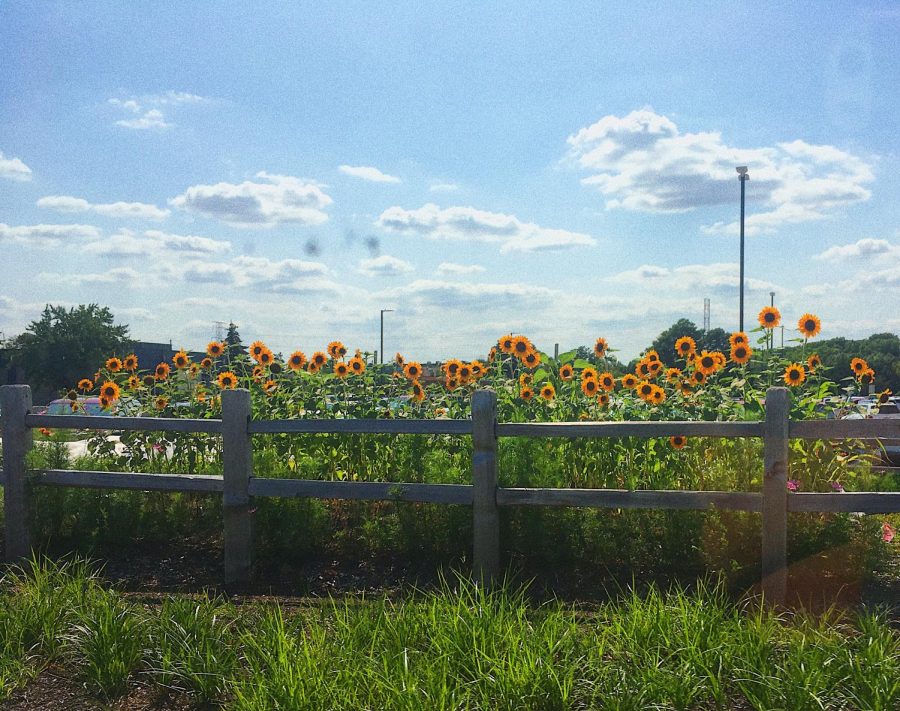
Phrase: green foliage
x=664 y=343
x=65 y=345
x=881 y=351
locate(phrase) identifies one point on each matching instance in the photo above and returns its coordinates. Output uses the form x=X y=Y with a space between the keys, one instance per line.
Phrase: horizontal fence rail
x=238 y=485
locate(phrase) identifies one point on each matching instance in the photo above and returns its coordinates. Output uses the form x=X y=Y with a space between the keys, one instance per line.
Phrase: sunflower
x=256 y=348
x=465 y=373
x=357 y=365
x=548 y=392
x=162 y=371
x=130 y=363
x=858 y=366
x=794 y=375
x=685 y=346
x=507 y=343
x=104 y=404
x=567 y=372
x=161 y=402
x=452 y=366
x=398 y=359
x=590 y=387
x=85 y=385
x=642 y=369
x=809 y=325
x=644 y=389
x=769 y=317
x=607 y=381
x=412 y=370
x=72 y=395
x=258 y=372
x=341 y=369
x=532 y=359
x=707 y=363
x=741 y=353
x=113 y=365
x=603 y=399
x=589 y=372
x=655 y=367
x=738 y=338
x=721 y=360
x=884 y=396
x=698 y=377
x=600 y=347
x=110 y=391
x=651 y=356
x=813 y=362
x=677 y=441
x=148 y=381
x=525 y=379
x=227 y=380
x=418 y=392
x=452 y=383
x=337 y=350
x=658 y=396
x=181 y=360
x=440 y=412
x=629 y=381
x=478 y=369
x=866 y=377
x=492 y=354
x=134 y=382
x=318 y=360
x=673 y=375
x=194 y=370
x=266 y=357
x=269 y=387
x=521 y=346
x=201 y=396
x=215 y=348
x=297 y=360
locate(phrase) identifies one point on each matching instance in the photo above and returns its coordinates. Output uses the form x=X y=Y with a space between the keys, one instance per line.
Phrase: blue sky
x=562 y=170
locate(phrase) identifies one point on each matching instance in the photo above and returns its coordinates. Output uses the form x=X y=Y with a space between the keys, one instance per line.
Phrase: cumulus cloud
x=719 y=276
x=455 y=294
x=384 y=266
x=367 y=172
x=117 y=276
x=67 y=203
x=866 y=247
x=643 y=162
x=468 y=223
x=14 y=169
x=45 y=235
x=443 y=187
x=271 y=200
x=287 y=276
x=149 y=111
x=447 y=268
x=156 y=245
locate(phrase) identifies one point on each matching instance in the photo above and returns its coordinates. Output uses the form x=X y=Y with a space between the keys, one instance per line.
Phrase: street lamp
x=381 y=352
x=743 y=176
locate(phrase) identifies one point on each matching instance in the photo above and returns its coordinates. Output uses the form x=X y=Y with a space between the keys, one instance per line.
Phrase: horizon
x=561 y=172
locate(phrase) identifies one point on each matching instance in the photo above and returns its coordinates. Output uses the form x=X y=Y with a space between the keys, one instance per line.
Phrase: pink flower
x=837 y=486
x=887 y=533
x=793 y=485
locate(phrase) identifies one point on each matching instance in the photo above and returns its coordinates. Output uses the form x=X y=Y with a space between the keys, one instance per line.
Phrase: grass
x=457 y=647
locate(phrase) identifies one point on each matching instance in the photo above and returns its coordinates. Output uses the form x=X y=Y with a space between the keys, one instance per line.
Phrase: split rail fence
x=238 y=485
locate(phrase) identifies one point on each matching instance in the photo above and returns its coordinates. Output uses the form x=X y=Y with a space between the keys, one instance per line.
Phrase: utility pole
x=381 y=350
x=743 y=177
x=706 y=315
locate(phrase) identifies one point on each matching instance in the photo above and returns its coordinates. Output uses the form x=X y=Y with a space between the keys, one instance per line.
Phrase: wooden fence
x=238 y=485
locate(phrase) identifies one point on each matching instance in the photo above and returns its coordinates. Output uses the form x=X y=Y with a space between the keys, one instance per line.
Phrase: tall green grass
x=457 y=647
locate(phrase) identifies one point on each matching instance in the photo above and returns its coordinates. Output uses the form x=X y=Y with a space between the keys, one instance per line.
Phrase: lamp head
x=742 y=172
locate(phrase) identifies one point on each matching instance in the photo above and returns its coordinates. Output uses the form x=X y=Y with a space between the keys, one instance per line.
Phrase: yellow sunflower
x=357 y=365
x=629 y=381
x=644 y=389
x=741 y=353
x=318 y=359
x=162 y=371
x=813 y=362
x=507 y=343
x=706 y=363
x=858 y=366
x=134 y=382
x=685 y=346
x=677 y=441
x=525 y=378
x=589 y=372
x=161 y=402
x=526 y=393
x=104 y=403
x=673 y=375
x=698 y=377
x=566 y=372
x=478 y=369
x=465 y=373
x=600 y=347
x=215 y=348
x=181 y=360
x=590 y=387
x=548 y=392
x=492 y=354
x=113 y=365
x=412 y=370
x=521 y=346
x=738 y=338
x=110 y=391
x=337 y=350
x=607 y=381
x=452 y=383
x=642 y=369
x=658 y=396
x=603 y=399
x=398 y=359
x=227 y=380
x=256 y=348
x=266 y=357
x=651 y=356
x=341 y=369
x=452 y=366
x=418 y=392
x=85 y=385
x=531 y=359
x=809 y=325
x=269 y=387
x=297 y=360
x=148 y=381
x=206 y=363
x=130 y=363
x=769 y=317
x=794 y=375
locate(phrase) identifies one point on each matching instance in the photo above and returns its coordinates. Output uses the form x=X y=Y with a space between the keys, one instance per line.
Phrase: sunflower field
x=531 y=386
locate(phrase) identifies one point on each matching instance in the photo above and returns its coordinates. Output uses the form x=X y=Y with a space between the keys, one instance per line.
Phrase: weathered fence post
x=486 y=521
x=237 y=460
x=15 y=403
x=774 y=496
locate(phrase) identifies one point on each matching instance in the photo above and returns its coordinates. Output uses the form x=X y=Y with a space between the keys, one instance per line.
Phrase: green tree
x=233 y=344
x=664 y=344
x=65 y=345
x=715 y=339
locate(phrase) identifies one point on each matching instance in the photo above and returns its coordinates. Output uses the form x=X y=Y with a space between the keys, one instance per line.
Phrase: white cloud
x=148 y=111
x=642 y=162
x=446 y=268
x=367 y=172
x=66 y=203
x=273 y=200
x=468 y=223
x=118 y=276
x=286 y=276
x=708 y=278
x=455 y=294
x=156 y=245
x=14 y=169
x=384 y=266
x=866 y=247
x=443 y=187
x=46 y=235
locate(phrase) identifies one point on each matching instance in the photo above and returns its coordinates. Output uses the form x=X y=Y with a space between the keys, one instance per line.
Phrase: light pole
x=743 y=177
x=381 y=351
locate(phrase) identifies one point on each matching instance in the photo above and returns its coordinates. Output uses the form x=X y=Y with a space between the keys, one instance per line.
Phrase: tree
x=65 y=345
x=233 y=345
x=664 y=344
x=715 y=339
